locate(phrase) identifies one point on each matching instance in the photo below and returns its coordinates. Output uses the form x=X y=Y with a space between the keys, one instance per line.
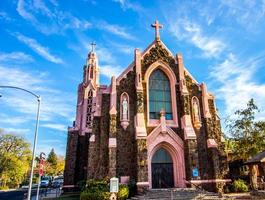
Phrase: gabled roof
x=260 y=157
x=131 y=66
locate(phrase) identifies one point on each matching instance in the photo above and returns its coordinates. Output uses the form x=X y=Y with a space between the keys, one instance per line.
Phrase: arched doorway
x=162 y=169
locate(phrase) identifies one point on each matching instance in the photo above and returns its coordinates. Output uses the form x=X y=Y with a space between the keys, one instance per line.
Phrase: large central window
x=159 y=95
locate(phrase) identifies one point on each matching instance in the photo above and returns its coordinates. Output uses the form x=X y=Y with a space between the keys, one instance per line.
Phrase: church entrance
x=162 y=170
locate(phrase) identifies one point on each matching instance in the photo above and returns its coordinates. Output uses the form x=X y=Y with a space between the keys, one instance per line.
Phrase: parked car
x=56 y=184
x=44 y=183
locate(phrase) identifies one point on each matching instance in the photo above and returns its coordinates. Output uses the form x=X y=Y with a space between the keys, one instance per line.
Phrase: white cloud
x=12 y=120
x=115 y=29
x=38 y=48
x=19 y=131
x=59 y=127
x=126 y=4
x=24 y=13
x=53 y=106
x=48 y=19
x=191 y=32
x=236 y=85
x=5 y=16
x=249 y=14
x=110 y=70
x=18 y=57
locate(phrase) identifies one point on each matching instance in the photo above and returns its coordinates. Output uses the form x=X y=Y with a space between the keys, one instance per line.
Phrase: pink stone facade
x=114 y=134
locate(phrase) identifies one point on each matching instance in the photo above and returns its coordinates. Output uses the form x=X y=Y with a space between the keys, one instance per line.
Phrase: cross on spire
x=157 y=26
x=93 y=46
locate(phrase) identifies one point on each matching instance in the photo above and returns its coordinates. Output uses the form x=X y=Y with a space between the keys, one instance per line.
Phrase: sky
x=44 y=45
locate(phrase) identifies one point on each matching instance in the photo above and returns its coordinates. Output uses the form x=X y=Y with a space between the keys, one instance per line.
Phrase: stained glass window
x=159 y=95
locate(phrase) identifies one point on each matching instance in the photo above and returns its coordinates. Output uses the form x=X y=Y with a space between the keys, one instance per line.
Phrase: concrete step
x=178 y=194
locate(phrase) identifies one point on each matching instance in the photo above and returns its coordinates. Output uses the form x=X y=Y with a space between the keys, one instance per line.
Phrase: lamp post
x=36 y=132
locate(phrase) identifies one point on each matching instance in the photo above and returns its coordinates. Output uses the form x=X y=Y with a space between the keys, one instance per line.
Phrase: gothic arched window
x=159 y=95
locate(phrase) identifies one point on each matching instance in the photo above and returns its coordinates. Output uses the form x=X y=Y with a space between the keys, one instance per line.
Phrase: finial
x=157 y=26
x=93 y=46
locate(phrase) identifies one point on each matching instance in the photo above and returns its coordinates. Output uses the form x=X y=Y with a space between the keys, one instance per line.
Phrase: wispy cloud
x=191 y=32
x=235 y=85
x=12 y=120
x=18 y=57
x=59 y=127
x=110 y=70
x=38 y=48
x=48 y=19
x=248 y=13
x=5 y=16
x=53 y=106
x=127 y=4
x=17 y=131
x=115 y=29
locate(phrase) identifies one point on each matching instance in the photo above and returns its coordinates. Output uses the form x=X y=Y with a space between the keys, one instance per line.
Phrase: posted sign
x=195 y=172
x=114 y=185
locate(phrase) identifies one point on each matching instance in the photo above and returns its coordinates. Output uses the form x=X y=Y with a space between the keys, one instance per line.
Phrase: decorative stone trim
x=112 y=142
x=142 y=183
x=211 y=143
x=189 y=132
x=211 y=181
x=173 y=82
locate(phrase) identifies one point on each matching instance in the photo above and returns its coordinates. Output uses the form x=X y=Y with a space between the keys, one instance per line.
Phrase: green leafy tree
x=15 y=156
x=248 y=134
x=52 y=158
x=54 y=164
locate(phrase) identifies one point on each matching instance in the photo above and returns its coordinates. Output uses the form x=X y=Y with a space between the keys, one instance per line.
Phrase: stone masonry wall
x=126 y=143
x=70 y=158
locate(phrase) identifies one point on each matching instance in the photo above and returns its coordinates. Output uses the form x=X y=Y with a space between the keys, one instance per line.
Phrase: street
x=20 y=194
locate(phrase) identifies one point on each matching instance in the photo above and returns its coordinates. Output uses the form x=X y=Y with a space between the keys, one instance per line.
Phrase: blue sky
x=44 y=45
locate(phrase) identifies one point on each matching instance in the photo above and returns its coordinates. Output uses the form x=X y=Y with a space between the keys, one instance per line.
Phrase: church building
x=154 y=125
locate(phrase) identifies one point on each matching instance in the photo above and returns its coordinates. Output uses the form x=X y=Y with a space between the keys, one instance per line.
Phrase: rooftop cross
x=157 y=26
x=93 y=45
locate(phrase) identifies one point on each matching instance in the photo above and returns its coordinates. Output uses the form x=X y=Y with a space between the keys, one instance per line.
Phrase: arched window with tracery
x=89 y=109
x=159 y=95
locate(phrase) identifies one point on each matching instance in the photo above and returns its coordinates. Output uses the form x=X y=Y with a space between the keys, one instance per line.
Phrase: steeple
x=91 y=69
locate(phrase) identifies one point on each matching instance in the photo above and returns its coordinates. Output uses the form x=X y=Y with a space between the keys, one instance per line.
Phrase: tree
x=52 y=158
x=15 y=156
x=54 y=164
x=248 y=134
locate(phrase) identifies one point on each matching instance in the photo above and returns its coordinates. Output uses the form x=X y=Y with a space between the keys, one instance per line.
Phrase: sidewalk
x=51 y=193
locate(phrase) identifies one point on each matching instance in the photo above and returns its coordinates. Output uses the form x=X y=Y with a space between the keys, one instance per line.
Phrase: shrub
x=123 y=193
x=95 y=190
x=81 y=185
x=240 y=186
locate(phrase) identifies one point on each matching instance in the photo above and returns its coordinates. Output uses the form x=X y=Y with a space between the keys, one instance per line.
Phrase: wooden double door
x=162 y=170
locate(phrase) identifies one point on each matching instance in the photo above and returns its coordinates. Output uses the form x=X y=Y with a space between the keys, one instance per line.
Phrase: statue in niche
x=124 y=109
x=196 y=111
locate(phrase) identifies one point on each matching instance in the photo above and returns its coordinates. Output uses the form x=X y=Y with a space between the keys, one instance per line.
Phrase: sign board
x=195 y=172
x=114 y=185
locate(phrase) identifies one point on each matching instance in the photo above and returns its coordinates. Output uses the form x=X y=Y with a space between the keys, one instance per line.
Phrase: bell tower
x=91 y=69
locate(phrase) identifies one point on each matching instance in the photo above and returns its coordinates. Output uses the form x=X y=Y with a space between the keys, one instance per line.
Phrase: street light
x=36 y=132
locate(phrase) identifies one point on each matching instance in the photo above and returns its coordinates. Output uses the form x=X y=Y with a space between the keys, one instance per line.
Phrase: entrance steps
x=179 y=194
